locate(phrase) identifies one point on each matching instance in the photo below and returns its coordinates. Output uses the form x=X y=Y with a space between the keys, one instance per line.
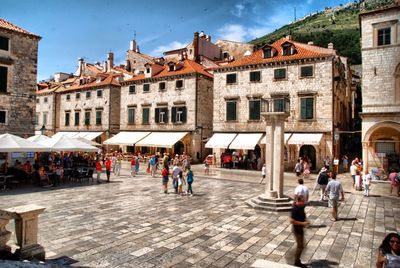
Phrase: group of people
x=237 y=160
x=303 y=167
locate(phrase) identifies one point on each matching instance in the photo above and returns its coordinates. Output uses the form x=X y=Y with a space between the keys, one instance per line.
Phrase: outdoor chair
x=3 y=182
x=89 y=174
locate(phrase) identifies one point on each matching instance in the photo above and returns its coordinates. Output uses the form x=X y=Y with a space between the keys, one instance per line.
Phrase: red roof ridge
x=10 y=26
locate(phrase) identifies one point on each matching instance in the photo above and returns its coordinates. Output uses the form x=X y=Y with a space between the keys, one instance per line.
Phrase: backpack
x=322 y=178
x=397 y=178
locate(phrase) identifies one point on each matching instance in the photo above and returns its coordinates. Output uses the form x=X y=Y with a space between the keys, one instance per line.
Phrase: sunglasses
x=395 y=241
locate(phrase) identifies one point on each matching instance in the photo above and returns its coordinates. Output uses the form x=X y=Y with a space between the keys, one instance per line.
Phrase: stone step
x=267 y=207
x=271 y=203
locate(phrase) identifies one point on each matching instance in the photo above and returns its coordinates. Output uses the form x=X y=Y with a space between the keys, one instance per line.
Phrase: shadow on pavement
x=314 y=226
x=62 y=261
x=317 y=204
x=322 y=263
x=347 y=219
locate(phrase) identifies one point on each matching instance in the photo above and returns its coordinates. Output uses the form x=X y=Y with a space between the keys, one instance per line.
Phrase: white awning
x=162 y=139
x=220 y=140
x=246 y=141
x=126 y=138
x=78 y=134
x=285 y=138
x=305 y=138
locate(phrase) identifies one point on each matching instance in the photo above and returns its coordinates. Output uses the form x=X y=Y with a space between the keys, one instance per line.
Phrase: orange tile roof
x=109 y=80
x=303 y=51
x=189 y=67
x=9 y=26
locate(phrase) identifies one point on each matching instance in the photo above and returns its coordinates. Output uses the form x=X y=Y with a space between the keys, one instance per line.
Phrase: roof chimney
x=110 y=61
x=330 y=45
x=80 y=66
x=310 y=43
x=289 y=37
x=196 y=46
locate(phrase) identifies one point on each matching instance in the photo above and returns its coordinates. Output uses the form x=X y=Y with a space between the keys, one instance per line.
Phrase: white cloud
x=158 y=51
x=256 y=32
x=309 y=2
x=233 y=32
x=238 y=10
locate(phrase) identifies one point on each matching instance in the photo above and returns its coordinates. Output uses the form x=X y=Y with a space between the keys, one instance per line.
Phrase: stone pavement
x=131 y=223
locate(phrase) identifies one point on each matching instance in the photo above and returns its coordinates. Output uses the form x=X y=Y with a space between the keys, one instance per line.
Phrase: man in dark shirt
x=299 y=221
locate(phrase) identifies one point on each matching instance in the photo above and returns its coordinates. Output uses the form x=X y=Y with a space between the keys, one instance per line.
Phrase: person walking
x=263 y=173
x=345 y=163
x=322 y=180
x=118 y=165
x=175 y=176
x=334 y=188
x=164 y=174
x=366 y=182
x=138 y=158
x=353 y=173
x=133 y=166
x=108 y=168
x=153 y=165
x=99 y=169
x=301 y=190
x=299 y=220
x=298 y=168
x=389 y=252
x=394 y=181
x=190 y=179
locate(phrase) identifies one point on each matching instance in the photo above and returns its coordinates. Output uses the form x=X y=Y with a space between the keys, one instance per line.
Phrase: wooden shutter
x=173 y=115
x=184 y=115
x=157 y=115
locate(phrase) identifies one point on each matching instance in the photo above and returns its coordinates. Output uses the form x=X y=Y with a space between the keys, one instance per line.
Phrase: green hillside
x=339 y=26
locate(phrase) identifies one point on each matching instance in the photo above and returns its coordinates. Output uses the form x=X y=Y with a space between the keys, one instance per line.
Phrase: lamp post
x=199 y=131
x=43 y=129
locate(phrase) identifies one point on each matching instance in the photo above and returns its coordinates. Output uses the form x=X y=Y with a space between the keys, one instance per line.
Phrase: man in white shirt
x=301 y=190
x=335 y=189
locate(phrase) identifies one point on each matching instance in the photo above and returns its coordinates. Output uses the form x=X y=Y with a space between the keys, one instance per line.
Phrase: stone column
x=5 y=250
x=26 y=230
x=365 y=156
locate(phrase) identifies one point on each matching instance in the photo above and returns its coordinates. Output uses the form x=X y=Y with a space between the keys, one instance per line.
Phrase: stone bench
x=26 y=231
x=270 y=264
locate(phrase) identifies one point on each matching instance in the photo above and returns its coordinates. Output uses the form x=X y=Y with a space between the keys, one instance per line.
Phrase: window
x=67 y=115
x=145 y=116
x=171 y=68
x=179 y=83
x=280 y=73
x=306 y=71
x=231 y=111
x=99 y=93
x=4 y=43
x=131 y=116
x=88 y=95
x=307 y=108
x=385 y=147
x=77 y=96
x=146 y=87
x=231 y=78
x=36 y=119
x=255 y=76
x=267 y=53
x=98 y=117
x=384 y=36
x=178 y=114
x=45 y=100
x=161 y=86
x=161 y=115
x=287 y=50
x=76 y=119
x=3 y=117
x=68 y=97
x=37 y=100
x=254 y=109
x=279 y=105
x=148 y=70
x=87 y=118
x=3 y=79
x=132 y=89
x=44 y=118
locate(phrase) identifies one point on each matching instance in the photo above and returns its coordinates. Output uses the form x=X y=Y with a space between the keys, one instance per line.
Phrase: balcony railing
x=275 y=105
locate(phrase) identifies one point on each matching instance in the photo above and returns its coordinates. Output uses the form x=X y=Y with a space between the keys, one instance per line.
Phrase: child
x=165 y=174
x=367 y=182
x=181 y=182
x=206 y=167
x=133 y=166
x=189 y=179
x=263 y=173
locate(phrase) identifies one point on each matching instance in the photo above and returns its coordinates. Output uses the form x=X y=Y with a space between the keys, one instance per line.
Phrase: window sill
x=162 y=90
x=178 y=123
x=179 y=88
x=231 y=121
x=146 y=91
x=306 y=77
x=231 y=84
x=254 y=120
x=280 y=79
x=308 y=120
x=132 y=93
x=255 y=81
x=146 y=124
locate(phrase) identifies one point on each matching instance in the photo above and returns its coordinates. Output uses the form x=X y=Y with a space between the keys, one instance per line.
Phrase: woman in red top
x=133 y=166
x=99 y=169
x=108 y=168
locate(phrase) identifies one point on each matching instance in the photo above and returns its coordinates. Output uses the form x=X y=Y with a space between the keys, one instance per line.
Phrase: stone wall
x=48 y=108
x=235 y=49
x=19 y=101
x=137 y=60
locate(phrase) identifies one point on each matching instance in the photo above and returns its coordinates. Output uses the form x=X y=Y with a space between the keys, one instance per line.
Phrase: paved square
x=131 y=223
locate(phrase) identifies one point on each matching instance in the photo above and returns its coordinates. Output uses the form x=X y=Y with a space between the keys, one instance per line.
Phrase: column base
x=30 y=252
x=267 y=203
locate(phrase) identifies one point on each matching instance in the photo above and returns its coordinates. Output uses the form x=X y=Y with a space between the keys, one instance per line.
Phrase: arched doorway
x=179 y=148
x=309 y=151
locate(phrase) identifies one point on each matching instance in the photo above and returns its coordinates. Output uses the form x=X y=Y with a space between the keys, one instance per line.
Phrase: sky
x=90 y=29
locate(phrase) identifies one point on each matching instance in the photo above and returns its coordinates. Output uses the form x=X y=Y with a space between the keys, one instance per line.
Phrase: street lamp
x=43 y=129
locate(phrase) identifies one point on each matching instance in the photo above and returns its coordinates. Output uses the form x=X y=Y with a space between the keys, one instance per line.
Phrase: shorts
x=165 y=179
x=333 y=203
x=298 y=173
x=108 y=172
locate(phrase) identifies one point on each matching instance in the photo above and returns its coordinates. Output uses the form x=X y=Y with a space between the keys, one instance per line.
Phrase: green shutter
x=184 y=114
x=303 y=108
x=3 y=79
x=157 y=115
x=173 y=114
x=231 y=111
x=165 y=115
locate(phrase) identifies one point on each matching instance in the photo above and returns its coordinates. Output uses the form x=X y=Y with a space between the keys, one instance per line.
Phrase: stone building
x=315 y=80
x=18 y=71
x=172 y=103
x=380 y=48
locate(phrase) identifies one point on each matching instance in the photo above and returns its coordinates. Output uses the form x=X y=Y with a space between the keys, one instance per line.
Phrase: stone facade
x=45 y=111
x=195 y=94
x=236 y=50
x=381 y=87
x=328 y=86
x=18 y=65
